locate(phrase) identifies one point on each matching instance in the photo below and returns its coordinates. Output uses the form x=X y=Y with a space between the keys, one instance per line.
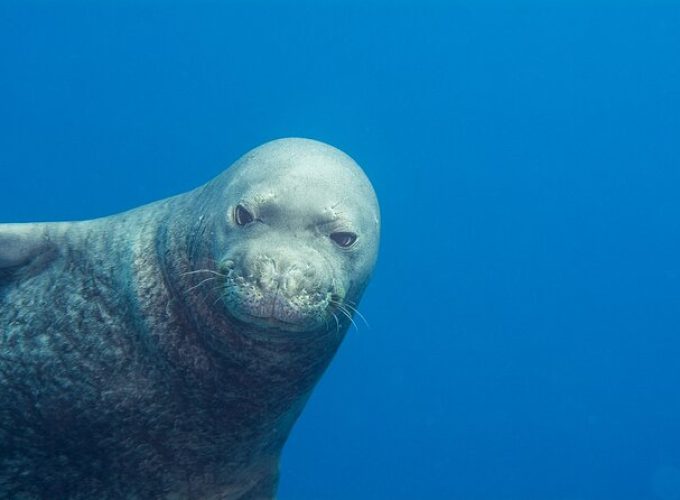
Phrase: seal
x=166 y=352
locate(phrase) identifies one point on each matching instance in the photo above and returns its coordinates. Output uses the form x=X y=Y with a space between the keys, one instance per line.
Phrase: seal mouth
x=277 y=309
x=279 y=292
x=296 y=309
x=301 y=323
x=271 y=323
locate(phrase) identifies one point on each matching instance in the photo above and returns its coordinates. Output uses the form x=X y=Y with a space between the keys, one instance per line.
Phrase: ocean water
x=524 y=338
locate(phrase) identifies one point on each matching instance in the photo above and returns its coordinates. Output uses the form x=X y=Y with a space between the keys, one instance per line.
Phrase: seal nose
x=280 y=272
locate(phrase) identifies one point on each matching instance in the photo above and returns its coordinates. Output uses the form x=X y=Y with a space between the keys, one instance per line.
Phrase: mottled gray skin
x=166 y=352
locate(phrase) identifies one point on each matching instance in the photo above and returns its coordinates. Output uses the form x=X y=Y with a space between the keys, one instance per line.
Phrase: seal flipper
x=23 y=244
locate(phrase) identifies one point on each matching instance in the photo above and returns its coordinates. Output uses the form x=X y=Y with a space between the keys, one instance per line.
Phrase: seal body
x=166 y=352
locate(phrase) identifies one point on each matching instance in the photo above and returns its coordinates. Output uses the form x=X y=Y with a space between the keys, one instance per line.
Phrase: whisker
x=204 y=271
x=221 y=287
x=211 y=278
x=337 y=324
x=349 y=316
x=345 y=307
x=357 y=312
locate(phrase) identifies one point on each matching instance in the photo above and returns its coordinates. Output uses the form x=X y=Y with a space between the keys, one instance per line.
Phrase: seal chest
x=166 y=352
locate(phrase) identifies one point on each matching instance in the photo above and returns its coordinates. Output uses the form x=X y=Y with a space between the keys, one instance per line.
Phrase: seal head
x=298 y=236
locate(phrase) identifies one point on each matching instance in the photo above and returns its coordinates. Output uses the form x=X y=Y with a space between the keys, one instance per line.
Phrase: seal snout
x=280 y=289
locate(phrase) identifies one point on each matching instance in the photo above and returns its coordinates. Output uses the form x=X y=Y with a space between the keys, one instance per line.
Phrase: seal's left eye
x=242 y=216
x=344 y=239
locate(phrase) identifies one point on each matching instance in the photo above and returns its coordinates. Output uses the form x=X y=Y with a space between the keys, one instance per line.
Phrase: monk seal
x=167 y=351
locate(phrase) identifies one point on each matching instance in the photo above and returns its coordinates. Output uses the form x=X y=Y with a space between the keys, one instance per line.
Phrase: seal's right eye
x=242 y=216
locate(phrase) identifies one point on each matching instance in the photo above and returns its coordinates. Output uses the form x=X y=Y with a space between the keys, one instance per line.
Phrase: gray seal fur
x=166 y=352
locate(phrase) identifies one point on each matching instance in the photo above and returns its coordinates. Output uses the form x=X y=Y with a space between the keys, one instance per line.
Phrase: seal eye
x=242 y=216
x=344 y=239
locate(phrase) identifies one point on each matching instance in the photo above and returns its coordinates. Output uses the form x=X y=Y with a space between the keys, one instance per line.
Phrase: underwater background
x=524 y=338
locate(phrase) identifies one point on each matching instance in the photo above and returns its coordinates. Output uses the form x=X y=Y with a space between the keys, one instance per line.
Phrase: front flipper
x=22 y=245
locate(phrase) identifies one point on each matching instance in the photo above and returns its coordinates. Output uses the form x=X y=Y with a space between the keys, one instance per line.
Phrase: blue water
x=524 y=338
